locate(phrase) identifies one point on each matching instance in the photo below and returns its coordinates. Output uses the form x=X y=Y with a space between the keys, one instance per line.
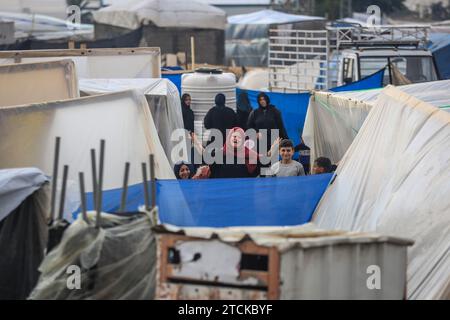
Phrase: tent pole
x=193 y=53
x=100 y=183
x=94 y=178
x=144 y=180
x=123 y=201
x=55 y=178
x=153 y=179
x=83 y=197
x=62 y=199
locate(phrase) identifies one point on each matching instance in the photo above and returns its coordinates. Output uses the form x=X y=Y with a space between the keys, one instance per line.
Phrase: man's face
x=262 y=102
x=317 y=169
x=185 y=172
x=286 y=153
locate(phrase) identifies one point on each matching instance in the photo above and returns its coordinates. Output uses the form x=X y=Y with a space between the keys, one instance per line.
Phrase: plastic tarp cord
x=162 y=97
x=293 y=106
x=333 y=120
x=111 y=63
x=394 y=180
x=23 y=239
x=123 y=119
x=131 y=14
x=16 y=185
x=240 y=202
x=18 y=85
x=116 y=261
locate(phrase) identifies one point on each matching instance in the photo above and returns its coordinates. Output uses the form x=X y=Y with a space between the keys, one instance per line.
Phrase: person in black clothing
x=267 y=117
x=188 y=114
x=303 y=155
x=243 y=109
x=220 y=117
x=323 y=165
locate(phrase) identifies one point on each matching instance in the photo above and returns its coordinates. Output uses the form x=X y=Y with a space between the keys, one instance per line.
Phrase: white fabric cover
x=166 y=111
x=334 y=119
x=269 y=17
x=16 y=185
x=132 y=14
x=394 y=180
x=123 y=119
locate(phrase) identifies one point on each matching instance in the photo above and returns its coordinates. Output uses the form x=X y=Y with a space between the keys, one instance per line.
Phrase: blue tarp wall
x=440 y=47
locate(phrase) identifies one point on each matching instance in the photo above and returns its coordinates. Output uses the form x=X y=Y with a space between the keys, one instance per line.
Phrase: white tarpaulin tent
x=131 y=14
x=123 y=119
x=97 y=63
x=334 y=119
x=24 y=83
x=162 y=97
x=394 y=180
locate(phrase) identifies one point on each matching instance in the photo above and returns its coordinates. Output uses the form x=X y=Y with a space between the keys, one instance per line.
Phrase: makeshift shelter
x=123 y=119
x=162 y=97
x=334 y=119
x=116 y=261
x=24 y=196
x=57 y=80
x=97 y=63
x=247 y=35
x=394 y=180
x=168 y=24
x=440 y=46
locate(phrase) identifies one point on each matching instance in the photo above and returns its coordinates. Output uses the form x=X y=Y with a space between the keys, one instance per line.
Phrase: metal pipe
x=145 y=181
x=123 y=201
x=55 y=178
x=62 y=199
x=83 y=197
x=100 y=183
x=193 y=53
x=94 y=178
x=153 y=179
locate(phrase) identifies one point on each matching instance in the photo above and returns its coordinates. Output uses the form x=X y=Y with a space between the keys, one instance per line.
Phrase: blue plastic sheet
x=240 y=202
x=293 y=106
x=440 y=47
x=175 y=78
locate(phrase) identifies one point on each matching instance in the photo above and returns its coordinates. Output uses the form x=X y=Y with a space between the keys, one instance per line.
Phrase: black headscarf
x=220 y=100
x=183 y=98
x=265 y=96
x=177 y=167
x=243 y=103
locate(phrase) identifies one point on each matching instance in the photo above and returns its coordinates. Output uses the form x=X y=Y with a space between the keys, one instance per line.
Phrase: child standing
x=287 y=167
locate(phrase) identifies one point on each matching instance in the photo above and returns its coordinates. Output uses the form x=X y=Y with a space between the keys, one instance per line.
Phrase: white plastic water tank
x=203 y=85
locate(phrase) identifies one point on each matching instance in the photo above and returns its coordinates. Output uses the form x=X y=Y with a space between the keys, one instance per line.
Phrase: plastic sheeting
x=18 y=85
x=122 y=119
x=394 y=180
x=115 y=262
x=162 y=97
x=24 y=197
x=293 y=106
x=240 y=202
x=97 y=63
x=334 y=119
x=131 y=14
x=247 y=53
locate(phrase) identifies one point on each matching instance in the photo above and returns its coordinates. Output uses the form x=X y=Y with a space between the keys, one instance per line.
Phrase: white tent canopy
x=334 y=119
x=123 y=119
x=162 y=97
x=270 y=17
x=132 y=14
x=394 y=180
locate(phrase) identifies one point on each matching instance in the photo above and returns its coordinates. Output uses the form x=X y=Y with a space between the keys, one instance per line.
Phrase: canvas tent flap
x=394 y=180
x=162 y=97
x=131 y=14
x=122 y=119
x=270 y=17
x=97 y=63
x=16 y=185
x=18 y=85
x=334 y=119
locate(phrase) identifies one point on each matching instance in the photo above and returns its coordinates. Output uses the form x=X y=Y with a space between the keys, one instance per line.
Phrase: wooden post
x=71 y=44
x=83 y=197
x=123 y=201
x=94 y=178
x=193 y=53
x=62 y=199
x=145 y=182
x=100 y=183
x=153 y=179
